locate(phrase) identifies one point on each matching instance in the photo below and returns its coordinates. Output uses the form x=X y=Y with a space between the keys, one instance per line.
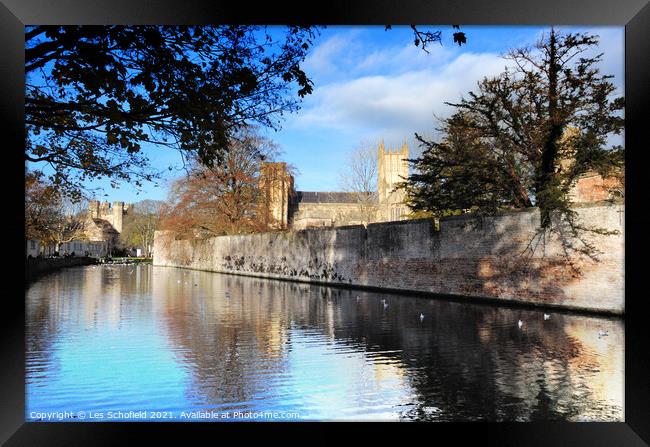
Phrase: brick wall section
x=466 y=257
x=593 y=187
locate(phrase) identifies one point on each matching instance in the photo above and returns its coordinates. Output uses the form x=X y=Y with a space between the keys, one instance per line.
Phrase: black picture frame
x=633 y=14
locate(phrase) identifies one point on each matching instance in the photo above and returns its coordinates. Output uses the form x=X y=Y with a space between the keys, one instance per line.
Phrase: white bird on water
x=602 y=333
x=358 y=298
x=421 y=316
x=520 y=324
x=385 y=305
x=546 y=316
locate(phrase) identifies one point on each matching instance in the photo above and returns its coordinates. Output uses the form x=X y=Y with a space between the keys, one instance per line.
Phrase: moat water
x=140 y=343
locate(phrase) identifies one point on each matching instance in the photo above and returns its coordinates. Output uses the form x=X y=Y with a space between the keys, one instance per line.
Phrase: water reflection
x=153 y=338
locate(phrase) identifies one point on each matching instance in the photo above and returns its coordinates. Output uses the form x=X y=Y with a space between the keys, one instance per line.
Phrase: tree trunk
x=546 y=173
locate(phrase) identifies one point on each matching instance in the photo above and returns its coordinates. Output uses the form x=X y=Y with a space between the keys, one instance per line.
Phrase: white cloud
x=370 y=92
x=326 y=58
x=405 y=58
x=399 y=104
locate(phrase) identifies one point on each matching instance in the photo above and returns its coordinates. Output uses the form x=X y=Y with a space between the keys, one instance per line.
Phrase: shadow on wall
x=501 y=257
x=491 y=258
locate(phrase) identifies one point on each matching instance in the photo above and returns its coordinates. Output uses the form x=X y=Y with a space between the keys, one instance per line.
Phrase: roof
x=326 y=197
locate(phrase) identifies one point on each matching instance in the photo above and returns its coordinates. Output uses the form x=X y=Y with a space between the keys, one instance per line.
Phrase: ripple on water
x=124 y=338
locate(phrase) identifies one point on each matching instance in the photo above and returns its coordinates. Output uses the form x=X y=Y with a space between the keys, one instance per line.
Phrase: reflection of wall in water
x=486 y=368
x=208 y=330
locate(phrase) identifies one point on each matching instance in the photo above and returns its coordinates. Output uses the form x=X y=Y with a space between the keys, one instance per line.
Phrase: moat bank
x=465 y=258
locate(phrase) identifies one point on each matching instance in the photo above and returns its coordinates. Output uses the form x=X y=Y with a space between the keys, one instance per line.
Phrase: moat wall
x=465 y=257
x=37 y=267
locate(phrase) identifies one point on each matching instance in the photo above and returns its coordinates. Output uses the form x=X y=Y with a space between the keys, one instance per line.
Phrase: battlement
x=112 y=213
x=383 y=151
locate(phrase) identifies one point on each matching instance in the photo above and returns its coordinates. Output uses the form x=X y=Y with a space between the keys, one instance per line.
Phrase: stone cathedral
x=291 y=209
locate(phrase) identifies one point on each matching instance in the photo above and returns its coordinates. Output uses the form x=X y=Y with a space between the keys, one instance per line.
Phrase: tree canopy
x=48 y=218
x=139 y=225
x=224 y=198
x=96 y=94
x=522 y=138
x=358 y=175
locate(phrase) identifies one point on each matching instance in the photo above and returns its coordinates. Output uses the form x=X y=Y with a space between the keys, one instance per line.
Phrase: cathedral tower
x=392 y=169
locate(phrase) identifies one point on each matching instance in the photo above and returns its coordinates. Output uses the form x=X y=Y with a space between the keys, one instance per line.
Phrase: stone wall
x=466 y=257
x=306 y=215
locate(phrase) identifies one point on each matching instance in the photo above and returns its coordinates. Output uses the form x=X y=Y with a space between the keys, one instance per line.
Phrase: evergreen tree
x=525 y=136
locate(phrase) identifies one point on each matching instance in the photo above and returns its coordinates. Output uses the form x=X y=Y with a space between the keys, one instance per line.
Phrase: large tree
x=41 y=207
x=139 y=225
x=224 y=198
x=51 y=218
x=523 y=138
x=96 y=94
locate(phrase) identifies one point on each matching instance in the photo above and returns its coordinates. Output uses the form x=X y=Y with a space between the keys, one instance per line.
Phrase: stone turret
x=118 y=214
x=276 y=186
x=93 y=209
x=113 y=215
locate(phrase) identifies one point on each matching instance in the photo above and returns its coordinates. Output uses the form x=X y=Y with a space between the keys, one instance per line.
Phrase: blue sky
x=372 y=84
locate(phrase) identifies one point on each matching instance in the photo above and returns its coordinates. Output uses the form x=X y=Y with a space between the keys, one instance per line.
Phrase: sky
x=372 y=84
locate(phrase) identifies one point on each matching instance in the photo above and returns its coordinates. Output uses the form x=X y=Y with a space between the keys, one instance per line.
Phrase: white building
x=95 y=249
